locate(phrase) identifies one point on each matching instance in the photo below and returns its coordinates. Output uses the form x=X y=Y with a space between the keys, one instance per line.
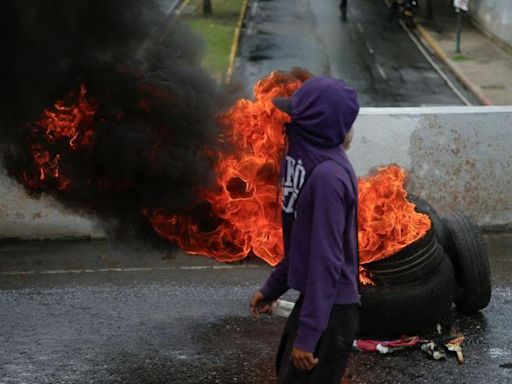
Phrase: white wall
x=24 y=217
x=458 y=158
x=495 y=16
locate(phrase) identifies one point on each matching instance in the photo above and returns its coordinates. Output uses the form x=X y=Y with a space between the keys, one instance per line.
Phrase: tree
x=207 y=7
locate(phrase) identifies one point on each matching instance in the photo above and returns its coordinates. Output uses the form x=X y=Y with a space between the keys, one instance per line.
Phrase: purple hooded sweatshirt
x=320 y=224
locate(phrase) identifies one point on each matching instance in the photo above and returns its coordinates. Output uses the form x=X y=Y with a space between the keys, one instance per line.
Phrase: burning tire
x=468 y=252
x=437 y=223
x=417 y=259
x=409 y=264
x=408 y=308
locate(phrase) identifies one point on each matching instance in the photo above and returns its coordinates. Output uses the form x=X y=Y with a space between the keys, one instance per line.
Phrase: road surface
x=373 y=54
x=80 y=312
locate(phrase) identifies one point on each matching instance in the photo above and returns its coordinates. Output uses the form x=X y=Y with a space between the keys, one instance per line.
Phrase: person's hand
x=303 y=360
x=259 y=305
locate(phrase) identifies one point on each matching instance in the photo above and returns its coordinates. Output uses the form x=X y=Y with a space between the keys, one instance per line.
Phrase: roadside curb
x=236 y=43
x=441 y=54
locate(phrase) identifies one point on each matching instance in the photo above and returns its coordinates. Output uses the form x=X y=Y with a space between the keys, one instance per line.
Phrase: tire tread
x=469 y=254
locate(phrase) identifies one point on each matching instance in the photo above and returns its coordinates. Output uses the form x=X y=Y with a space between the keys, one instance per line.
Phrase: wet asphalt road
x=79 y=312
x=374 y=55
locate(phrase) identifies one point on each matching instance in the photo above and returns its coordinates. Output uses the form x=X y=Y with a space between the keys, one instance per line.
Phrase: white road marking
x=195 y=267
x=254 y=9
x=250 y=29
x=369 y=47
x=223 y=267
x=381 y=71
x=139 y=269
x=352 y=11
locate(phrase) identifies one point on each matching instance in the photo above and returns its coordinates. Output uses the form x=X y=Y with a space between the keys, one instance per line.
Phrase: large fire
x=247 y=197
x=241 y=214
x=246 y=201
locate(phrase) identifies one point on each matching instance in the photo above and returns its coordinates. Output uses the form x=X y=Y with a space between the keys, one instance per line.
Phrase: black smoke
x=154 y=128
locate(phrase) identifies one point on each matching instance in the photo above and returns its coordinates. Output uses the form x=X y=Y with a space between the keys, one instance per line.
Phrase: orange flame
x=364 y=278
x=69 y=122
x=244 y=213
x=387 y=220
x=245 y=204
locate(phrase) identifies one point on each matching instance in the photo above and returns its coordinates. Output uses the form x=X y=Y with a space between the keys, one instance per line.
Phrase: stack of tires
x=416 y=287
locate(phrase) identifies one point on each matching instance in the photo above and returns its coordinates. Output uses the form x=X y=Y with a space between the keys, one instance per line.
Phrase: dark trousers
x=332 y=351
x=343 y=4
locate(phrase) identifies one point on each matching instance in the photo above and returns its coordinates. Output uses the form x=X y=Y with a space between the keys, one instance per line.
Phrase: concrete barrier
x=24 y=217
x=458 y=158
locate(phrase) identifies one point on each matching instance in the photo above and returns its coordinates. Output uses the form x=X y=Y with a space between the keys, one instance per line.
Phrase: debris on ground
x=386 y=346
x=455 y=345
x=437 y=349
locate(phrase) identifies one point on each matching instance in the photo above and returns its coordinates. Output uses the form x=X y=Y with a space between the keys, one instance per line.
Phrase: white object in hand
x=282 y=308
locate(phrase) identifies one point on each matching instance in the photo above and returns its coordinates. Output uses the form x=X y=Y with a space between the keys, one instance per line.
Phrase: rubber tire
x=407 y=270
x=407 y=252
x=437 y=222
x=417 y=259
x=408 y=309
x=468 y=252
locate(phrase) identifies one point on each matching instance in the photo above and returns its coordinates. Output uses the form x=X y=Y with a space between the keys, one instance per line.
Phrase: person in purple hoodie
x=319 y=216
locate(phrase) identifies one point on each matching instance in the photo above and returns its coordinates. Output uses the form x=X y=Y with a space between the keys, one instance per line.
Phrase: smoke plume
x=134 y=126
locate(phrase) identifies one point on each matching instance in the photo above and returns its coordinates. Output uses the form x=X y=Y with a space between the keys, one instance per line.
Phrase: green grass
x=460 y=57
x=217 y=30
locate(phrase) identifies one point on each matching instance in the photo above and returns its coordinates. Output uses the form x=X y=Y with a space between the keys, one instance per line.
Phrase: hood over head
x=323 y=111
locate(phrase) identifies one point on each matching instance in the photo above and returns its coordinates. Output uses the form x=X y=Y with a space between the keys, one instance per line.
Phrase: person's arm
x=325 y=261
x=275 y=286
x=277 y=283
